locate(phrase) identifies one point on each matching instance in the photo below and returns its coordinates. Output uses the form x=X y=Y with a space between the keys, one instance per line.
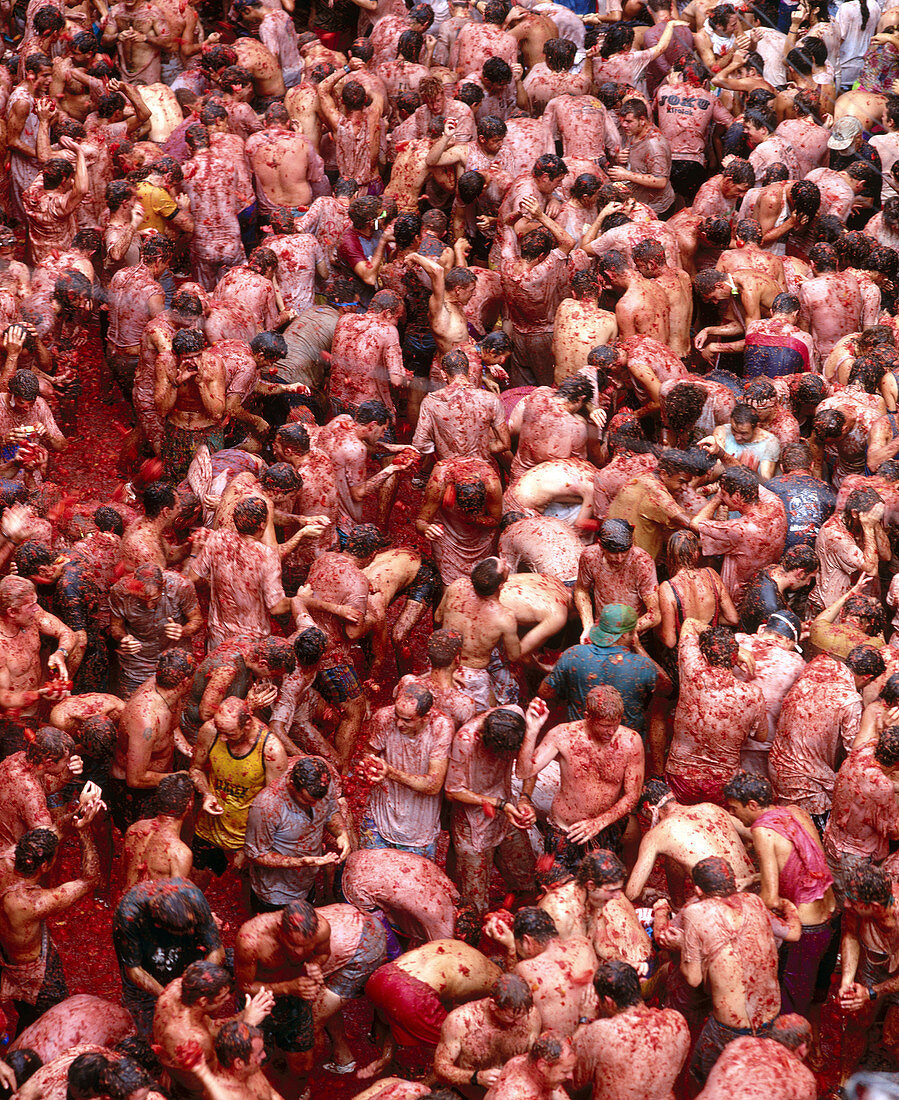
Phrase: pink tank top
x=805 y=876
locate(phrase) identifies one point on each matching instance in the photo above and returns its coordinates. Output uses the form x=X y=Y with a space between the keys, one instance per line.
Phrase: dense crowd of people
x=495 y=597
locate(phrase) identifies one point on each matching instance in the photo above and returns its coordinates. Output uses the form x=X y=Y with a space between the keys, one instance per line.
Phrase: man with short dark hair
x=820 y=716
x=480 y=774
x=727 y=944
x=145 y=750
x=864 y=818
x=793 y=866
x=557 y=970
x=285 y=834
x=158 y=930
x=776 y=1058
x=648 y=157
x=478 y=1039
x=183 y=1018
x=151 y=611
x=808 y=501
x=32 y=975
x=244 y=575
x=750 y=542
x=614 y=571
x=630 y=1049
x=538 y=1075
x=648 y=502
x=716 y=714
x=349 y=441
x=471 y=607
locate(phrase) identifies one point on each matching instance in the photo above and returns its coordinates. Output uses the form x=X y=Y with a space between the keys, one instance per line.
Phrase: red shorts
x=411 y=1007
x=690 y=790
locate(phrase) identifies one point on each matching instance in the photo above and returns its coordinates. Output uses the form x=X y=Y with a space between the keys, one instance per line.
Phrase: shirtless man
x=263 y=67
x=472 y=607
x=239 y=1053
x=682 y=835
x=26 y=778
x=642 y=309
x=777 y=1058
x=559 y=972
x=538 y=1075
x=283 y=952
x=748 y=254
x=588 y=811
x=541 y=606
x=287 y=171
x=144 y=541
x=630 y=1050
x=392 y=572
x=153 y=846
x=190 y=399
x=450 y=293
x=156 y=342
x=146 y=747
x=184 y=1014
x=793 y=866
x=140 y=34
x=562 y=486
x=592 y=903
x=32 y=976
x=22 y=623
x=649 y=260
x=723 y=937
x=830 y=303
x=410 y=995
x=744 y=296
x=478 y=1039
x=580 y=326
x=544 y=544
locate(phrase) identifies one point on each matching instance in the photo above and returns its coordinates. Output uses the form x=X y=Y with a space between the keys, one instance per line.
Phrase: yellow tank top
x=235 y=781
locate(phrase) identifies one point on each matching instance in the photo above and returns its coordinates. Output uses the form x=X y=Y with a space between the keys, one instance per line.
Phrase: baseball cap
x=616 y=619
x=844 y=133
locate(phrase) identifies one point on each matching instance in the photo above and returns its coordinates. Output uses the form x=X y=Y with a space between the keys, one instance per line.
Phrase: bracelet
x=584 y=1020
x=872 y=995
x=501 y=804
x=62 y=650
x=473 y=1080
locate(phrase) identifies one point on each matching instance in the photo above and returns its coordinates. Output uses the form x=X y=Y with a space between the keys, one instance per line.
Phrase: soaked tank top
x=235 y=781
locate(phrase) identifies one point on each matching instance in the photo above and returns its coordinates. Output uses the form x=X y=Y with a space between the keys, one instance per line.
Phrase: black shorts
x=289 y=1027
x=127 y=804
x=208 y=856
x=426 y=586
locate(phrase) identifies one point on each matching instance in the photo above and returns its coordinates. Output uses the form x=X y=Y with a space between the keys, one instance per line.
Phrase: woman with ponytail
x=857 y=21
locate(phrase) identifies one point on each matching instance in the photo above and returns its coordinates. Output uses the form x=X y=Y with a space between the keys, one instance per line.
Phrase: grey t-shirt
x=147 y=624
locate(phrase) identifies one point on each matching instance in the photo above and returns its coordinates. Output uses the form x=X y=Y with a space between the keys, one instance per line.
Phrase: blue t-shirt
x=584 y=667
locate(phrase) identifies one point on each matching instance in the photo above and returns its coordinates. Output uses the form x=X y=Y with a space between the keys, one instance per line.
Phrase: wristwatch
x=872 y=993
x=474 y=1078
